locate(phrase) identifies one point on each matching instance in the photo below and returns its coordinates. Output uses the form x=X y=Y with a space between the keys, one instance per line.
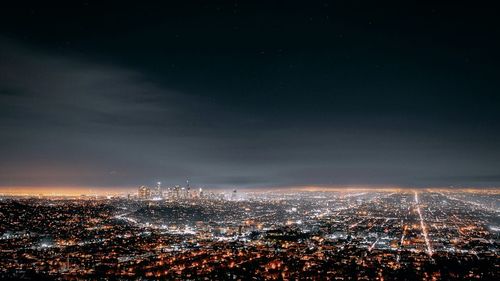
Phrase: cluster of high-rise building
x=171 y=192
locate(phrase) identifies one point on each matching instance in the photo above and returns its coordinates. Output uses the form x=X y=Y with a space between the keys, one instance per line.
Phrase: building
x=157 y=191
x=144 y=192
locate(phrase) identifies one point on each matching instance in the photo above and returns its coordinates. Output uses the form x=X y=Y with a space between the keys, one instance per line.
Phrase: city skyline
x=72 y=191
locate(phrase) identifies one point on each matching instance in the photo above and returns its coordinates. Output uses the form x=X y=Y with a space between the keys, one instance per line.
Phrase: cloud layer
x=67 y=120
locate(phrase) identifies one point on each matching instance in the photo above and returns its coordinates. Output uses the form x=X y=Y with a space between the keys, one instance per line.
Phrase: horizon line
x=115 y=190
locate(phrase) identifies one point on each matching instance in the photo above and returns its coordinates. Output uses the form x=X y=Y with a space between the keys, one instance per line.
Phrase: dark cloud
x=248 y=96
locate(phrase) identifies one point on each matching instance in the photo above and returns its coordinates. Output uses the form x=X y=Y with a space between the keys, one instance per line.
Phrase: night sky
x=237 y=93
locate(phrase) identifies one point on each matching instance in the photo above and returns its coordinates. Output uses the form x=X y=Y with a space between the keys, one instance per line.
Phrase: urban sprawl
x=185 y=233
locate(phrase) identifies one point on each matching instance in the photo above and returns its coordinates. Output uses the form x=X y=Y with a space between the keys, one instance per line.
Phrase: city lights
x=179 y=233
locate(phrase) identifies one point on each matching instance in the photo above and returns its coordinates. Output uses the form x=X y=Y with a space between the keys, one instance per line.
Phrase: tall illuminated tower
x=144 y=192
x=158 y=190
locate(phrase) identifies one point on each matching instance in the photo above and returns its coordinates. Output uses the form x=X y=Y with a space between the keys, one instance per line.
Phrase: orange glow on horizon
x=106 y=191
x=64 y=190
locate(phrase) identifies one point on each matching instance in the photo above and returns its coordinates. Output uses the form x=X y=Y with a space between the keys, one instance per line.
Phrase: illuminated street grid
x=306 y=235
